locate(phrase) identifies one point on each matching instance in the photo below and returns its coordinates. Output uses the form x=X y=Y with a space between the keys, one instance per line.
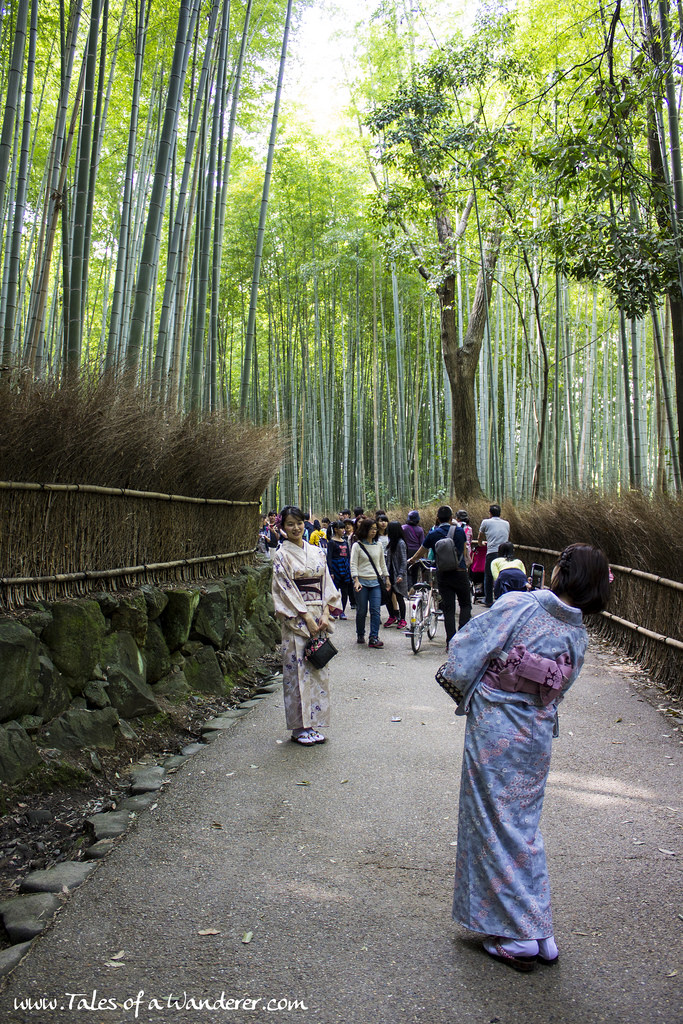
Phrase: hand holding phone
x=537 y=576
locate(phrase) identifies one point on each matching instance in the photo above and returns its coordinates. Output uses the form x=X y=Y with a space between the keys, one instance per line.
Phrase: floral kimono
x=501 y=878
x=301 y=584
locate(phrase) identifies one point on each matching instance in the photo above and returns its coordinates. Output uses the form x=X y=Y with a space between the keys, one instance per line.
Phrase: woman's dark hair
x=506 y=550
x=363 y=527
x=358 y=511
x=582 y=575
x=339 y=525
x=395 y=534
x=291 y=510
x=316 y=524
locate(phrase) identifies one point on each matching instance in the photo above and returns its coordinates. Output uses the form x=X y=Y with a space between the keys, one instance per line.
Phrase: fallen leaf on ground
x=343 y=781
x=395 y=718
x=247 y=937
x=216 y=824
x=303 y=783
x=208 y=931
x=118 y=956
x=113 y=963
x=669 y=853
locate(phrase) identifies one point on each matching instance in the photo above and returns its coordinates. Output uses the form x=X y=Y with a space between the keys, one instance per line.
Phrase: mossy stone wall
x=72 y=672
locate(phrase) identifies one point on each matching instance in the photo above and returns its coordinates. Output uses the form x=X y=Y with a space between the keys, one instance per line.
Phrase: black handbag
x=451 y=688
x=320 y=650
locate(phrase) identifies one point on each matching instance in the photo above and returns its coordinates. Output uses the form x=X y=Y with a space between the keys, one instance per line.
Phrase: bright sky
x=315 y=75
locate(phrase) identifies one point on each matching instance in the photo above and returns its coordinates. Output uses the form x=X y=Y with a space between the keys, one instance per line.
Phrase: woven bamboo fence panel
x=66 y=540
x=645 y=617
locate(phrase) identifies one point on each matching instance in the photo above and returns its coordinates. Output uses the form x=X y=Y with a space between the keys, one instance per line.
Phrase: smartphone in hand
x=537 y=576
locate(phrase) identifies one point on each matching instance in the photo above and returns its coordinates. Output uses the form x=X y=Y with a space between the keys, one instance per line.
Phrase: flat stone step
x=9 y=958
x=68 y=875
x=148 y=780
x=218 y=724
x=24 y=917
x=136 y=803
x=100 y=849
x=110 y=824
x=192 y=748
x=175 y=761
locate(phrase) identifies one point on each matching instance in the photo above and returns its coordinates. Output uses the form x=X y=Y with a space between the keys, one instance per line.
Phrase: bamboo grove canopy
x=470 y=281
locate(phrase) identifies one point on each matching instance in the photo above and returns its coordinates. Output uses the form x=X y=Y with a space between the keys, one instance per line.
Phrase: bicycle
x=424 y=614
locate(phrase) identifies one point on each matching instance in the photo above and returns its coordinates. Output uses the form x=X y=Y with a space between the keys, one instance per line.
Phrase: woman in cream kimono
x=304 y=595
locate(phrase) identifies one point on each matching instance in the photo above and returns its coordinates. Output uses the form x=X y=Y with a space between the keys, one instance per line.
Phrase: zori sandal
x=518 y=963
x=305 y=738
x=317 y=737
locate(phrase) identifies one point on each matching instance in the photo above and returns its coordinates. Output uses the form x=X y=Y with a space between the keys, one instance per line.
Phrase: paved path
x=339 y=859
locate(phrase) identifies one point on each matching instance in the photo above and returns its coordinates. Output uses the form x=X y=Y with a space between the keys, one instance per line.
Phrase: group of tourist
x=513 y=664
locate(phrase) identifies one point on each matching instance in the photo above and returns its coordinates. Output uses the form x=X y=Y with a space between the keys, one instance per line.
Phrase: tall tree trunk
x=461 y=365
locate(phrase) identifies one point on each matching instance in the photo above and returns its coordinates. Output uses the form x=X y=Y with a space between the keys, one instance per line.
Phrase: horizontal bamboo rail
x=132 y=570
x=627 y=570
x=121 y=492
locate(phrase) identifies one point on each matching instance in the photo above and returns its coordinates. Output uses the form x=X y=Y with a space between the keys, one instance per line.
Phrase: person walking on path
x=369 y=574
x=304 y=596
x=397 y=560
x=414 y=536
x=339 y=564
x=495 y=531
x=514 y=664
x=452 y=583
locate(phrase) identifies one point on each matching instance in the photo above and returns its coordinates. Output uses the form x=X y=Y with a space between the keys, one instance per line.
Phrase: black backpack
x=446 y=554
x=509 y=579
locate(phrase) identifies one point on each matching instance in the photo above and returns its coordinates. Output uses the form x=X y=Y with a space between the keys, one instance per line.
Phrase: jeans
x=373 y=597
x=451 y=585
x=488 y=577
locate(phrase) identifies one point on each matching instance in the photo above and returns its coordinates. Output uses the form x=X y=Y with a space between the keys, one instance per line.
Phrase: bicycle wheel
x=432 y=622
x=418 y=626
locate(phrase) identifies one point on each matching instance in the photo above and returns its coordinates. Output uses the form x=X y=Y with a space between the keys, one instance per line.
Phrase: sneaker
x=342 y=617
x=360 y=639
x=375 y=642
x=402 y=624
x=390 y=621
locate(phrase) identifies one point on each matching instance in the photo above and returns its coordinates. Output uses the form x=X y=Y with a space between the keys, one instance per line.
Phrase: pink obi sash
x=524 y=672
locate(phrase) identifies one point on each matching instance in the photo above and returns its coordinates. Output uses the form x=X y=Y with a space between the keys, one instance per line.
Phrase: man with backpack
x=447 y=541
x=495 y=531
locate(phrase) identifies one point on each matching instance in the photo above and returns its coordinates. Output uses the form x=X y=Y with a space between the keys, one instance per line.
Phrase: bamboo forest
x=435 y=247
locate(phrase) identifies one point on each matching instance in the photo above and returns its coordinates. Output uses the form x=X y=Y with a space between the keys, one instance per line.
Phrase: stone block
x=125 y=670
x=79 y=728
x=75 y=638
x=203 y=673
x=130 y=616
x=56 y=694
x=20 y=689
x=173 y=685
x=96 y=694
x=24 y=917
x=176 y=618
x=18 y=755
x=156 y=654
x=155 y=598
x=67 y=875
x=212 y=610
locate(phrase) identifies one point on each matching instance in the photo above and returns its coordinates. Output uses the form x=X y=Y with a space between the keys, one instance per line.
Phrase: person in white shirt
x=494 y=531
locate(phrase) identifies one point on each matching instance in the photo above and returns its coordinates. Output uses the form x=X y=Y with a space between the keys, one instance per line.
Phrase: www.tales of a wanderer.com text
x=95 y=1002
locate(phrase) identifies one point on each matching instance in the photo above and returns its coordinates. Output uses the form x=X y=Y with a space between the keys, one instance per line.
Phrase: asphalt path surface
x=315 y=884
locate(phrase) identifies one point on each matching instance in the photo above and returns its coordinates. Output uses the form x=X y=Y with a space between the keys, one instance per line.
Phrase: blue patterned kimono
x=501 y=878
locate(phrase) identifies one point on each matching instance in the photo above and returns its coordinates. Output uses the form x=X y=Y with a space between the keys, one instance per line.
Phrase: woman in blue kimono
x=514 y=665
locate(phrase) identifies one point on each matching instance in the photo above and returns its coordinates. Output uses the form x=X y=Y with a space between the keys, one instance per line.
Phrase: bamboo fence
x=644 y=618
x=69 y=539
